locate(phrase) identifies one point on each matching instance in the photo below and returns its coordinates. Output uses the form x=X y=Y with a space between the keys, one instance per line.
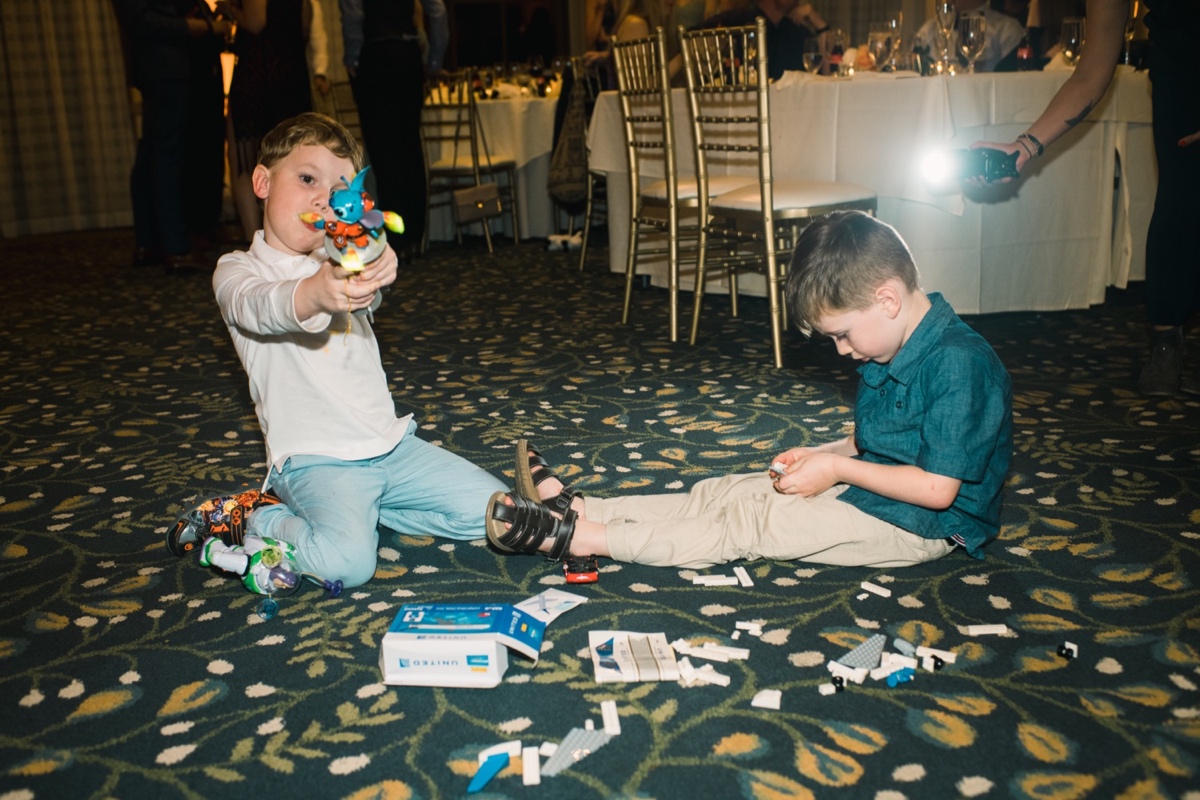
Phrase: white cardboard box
x=453 y=644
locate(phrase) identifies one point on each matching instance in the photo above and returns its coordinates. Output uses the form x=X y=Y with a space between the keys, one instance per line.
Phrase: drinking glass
x=812 y=54
x=895 y=40
x=879 y=45
x=1130 y=29
x=946 y=14
x=1072 y=39
x=972 y=35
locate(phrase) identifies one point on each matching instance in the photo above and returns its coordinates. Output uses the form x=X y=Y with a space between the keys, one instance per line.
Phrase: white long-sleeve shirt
x=318 y=389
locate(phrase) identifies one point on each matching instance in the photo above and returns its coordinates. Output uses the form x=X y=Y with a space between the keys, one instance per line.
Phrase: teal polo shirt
x=944 y=404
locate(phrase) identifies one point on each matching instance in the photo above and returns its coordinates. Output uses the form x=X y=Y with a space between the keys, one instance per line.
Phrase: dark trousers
x=1173 y=241
x=156 y=183
x=389 y=90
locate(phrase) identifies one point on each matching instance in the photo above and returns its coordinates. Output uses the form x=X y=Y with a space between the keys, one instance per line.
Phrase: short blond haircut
x=309 y=128
x=839 y=261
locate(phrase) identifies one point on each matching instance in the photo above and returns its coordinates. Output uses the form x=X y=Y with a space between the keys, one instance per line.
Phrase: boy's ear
x=889 y=298
x=261 y=180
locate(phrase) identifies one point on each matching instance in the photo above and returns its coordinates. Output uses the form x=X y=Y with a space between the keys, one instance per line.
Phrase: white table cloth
x=1052 y=240
x=521 y=128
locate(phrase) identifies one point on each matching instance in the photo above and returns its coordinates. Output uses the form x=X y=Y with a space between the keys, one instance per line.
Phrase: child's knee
x=353 y=565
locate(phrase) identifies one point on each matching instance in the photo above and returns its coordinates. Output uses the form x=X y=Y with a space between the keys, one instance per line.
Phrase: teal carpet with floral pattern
x=125 y=672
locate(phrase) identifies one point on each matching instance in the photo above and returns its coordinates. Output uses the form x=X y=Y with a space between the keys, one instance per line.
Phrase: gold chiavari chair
x=753 y=227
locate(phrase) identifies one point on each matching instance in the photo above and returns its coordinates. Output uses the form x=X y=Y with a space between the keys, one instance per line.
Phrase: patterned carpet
x=125 y=672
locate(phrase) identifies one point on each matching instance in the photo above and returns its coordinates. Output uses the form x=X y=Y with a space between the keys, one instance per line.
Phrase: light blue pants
x=332 y=509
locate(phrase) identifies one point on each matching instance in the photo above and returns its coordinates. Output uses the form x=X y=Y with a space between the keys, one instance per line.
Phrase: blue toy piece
x=487 y=770
x=356 y=237
x=900 y=676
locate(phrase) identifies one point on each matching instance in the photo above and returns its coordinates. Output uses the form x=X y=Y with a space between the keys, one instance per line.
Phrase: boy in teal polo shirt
x=922 y=473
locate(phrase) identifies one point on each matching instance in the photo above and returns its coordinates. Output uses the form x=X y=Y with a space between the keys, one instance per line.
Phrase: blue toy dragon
x=356 y=237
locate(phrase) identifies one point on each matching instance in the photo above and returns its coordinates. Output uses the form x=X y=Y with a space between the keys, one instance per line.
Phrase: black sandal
x=527 y=482
x=531 y=525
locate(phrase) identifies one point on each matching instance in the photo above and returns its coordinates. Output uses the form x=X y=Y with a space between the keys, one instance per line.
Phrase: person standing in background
x=166 y=40
x=270 y=84
x=387 y=76
x=1173 y=239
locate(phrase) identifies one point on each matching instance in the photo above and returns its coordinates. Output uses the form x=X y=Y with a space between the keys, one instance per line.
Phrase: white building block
x=767 y=698
x=531 y=767
x=875 y=589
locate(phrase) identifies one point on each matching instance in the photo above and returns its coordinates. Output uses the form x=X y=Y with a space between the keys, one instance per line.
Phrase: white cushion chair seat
x=803 y=196
x=688 y=188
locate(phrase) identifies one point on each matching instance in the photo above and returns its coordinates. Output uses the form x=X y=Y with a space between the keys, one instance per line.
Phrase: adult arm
x=352 y=33
x=1083 y=90
x=439 y=34
x=318 y=46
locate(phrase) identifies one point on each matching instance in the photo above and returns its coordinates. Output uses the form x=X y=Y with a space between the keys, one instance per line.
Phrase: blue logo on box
x=477 y=661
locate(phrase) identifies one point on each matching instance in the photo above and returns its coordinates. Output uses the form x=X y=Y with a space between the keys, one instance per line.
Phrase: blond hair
x=309 y=128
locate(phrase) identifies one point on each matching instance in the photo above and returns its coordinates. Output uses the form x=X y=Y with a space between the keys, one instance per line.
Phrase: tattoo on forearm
x=1081 y=116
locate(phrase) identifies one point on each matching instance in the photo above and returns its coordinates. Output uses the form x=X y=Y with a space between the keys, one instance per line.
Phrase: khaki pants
x=742 y=517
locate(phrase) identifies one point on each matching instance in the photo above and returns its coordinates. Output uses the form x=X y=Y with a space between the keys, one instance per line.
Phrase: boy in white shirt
x=342 y=463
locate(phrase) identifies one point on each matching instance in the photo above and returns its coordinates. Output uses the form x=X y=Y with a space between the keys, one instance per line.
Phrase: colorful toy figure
x=356 y=237
x=266 y=566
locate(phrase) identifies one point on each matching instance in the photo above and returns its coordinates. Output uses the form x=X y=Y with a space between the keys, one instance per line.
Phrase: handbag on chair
x=477 y=202
x=481 y=201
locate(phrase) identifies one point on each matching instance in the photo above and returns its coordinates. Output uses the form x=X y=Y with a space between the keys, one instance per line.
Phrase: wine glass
x=1130 y=29
x=946 y=14
x=1071 y=39
x=812 y=55
x=972 y=35
x=878 y=45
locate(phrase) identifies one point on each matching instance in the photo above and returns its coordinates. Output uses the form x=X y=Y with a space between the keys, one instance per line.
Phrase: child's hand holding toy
x=356 y=237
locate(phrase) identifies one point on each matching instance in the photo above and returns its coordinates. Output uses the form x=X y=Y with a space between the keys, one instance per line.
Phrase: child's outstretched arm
x=331 y=289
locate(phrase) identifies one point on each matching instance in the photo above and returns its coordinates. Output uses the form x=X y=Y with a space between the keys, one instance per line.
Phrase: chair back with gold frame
x=756 y=225
x=644 y=92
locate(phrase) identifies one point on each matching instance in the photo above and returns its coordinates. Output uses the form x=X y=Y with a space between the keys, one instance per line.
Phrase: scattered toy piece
x=735 y=635
x=945 y=655
x=900 y=676
x=904 y=646
x=708 y=674
x=743 y=576
x=581 y=569
x=715 y=580
x=531 y=768
x=874 y=589
x=1068 y=650
x=987 y=630
x=548 y=749
x=767 y=698
x=862 y=596
x=612 y=720
x=827 y=689
x=513 y=749
x=740 y=653
x=487 y=770
x=577 y=745
x=866 y=656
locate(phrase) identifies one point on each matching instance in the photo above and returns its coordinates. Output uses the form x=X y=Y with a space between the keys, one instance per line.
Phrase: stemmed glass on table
x=946 y=14
x=1071 y=39
x=812 y=54
x=972 y=35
